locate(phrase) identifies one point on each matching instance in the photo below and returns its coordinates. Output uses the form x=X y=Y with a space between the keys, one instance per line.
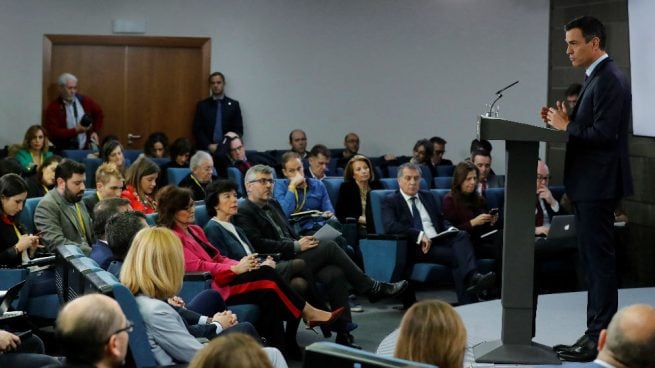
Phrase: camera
x=86 y=120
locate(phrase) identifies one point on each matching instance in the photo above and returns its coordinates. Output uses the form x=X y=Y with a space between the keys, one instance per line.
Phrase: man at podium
x=597 y=171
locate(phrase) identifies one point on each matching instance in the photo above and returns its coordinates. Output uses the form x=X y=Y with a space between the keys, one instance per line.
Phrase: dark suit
x=596 y=175
x=455 y=250
x=204 y=121
x=90 y=202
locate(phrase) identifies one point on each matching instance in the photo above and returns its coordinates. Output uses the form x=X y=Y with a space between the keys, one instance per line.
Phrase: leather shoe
x=382 y=290
x=582 y=341
x=346 y=339
x=584 y=350
x=479 y=282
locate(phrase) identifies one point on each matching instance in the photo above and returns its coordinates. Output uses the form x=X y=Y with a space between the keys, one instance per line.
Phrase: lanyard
x=295 y=193
x=80 y=220
x=197 y=183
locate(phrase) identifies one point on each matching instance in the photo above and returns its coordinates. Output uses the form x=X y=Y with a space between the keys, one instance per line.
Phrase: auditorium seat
x=201 y=217
x=26 y=217
x=234 y=174
x=445 y=170
x=132 y=154
x=442 y=182
x=176 y=174
x=333 y=184
x=77 y=155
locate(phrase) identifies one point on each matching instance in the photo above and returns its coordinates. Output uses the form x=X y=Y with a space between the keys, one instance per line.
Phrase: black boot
x=382 y=290
x=346 y=339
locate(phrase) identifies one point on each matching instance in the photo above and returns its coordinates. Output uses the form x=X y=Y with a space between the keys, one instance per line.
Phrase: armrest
x=197 y=276
x=351 y=220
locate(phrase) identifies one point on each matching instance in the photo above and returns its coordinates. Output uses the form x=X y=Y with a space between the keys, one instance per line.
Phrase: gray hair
x=257 y=169
x=198 y=158
x=409 y=166
x=634 y=349
x=64 y=78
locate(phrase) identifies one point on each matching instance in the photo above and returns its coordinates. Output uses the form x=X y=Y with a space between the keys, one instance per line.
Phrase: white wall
x=392 y=71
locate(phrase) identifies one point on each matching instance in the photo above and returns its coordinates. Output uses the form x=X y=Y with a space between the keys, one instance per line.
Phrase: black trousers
x=594 y=223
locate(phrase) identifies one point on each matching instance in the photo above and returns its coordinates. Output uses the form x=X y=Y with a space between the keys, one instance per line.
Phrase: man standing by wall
x=216 y=116
x=596 y=172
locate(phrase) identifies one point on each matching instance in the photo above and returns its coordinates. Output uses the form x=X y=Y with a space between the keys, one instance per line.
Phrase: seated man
x=319 y=158
x=482 y=159
x=261 y=217
x=232 y=153
x=415 y=213
x=60 y=216
x=93 y=332
x=298 y=142
x=298 y=194
x=547 y=206
x=105 y=209
x=201 y=165
x=438 y=150
x=351 y=148
x=109 y=184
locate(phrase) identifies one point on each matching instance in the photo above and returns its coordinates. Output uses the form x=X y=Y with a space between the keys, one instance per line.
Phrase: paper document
x=326 y=232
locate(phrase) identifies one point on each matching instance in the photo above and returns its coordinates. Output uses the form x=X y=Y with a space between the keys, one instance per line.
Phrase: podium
x=522 y=151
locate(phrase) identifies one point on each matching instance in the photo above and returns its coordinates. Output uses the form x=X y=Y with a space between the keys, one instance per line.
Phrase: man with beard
x=60 y=216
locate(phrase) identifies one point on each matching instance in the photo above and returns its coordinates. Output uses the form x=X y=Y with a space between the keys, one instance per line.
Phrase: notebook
x=10 y=295
x=562 y=227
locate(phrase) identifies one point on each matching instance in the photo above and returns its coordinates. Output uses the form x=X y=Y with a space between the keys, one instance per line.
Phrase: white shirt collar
x=603 y=363
x=593 y=65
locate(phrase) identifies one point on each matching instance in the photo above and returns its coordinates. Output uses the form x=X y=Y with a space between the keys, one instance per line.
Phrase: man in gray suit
x=93 y=332
x=60 y=216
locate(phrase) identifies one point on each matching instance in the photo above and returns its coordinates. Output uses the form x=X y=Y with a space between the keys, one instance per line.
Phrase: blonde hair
x=432 y=332
x=235 y=350
x=349 y=171
x=154 y=265
x=106 y=171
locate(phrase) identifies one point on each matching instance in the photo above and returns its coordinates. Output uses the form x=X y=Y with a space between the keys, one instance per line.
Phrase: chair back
x=151 y=218
x=333 y=184
x=77 y=155
x=376 y=198
x=445 y=170
x=443 y=182
x=26 y=217
x=176 y=174
x=234 y=174
x=201 y=215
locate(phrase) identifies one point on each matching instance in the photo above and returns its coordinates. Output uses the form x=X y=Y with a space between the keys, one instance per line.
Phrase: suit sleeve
x=202 y=138
x=608 y=108
x=393 y=223
x=45 y=217
x=453 y=214
x=285 y=197
x=247 y=221
x=238 y=119
x=54 y=117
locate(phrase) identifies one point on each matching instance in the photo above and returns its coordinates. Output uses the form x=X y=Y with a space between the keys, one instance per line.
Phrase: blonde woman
x=432 y=332
x=153 y=271
x=233 y=351
x=34 y=149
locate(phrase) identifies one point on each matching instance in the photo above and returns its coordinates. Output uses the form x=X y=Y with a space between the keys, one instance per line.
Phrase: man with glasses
x=232 y=153
x=93 y=331
x=546 y=206
x=438 y=150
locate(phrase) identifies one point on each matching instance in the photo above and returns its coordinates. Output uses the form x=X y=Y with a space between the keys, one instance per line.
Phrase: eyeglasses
x=236 y=148
x=263 y=181
x=543 y=177
x=129 y=328
x=439 y=152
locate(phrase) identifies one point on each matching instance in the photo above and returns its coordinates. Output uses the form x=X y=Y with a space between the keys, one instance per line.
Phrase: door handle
x=131 y=136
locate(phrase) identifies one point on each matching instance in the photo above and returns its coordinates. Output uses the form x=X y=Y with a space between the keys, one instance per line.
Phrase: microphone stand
x=499 y=95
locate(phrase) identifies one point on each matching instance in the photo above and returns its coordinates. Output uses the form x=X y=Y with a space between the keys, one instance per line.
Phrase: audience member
x=467 y=210
x=112 y=152
x=422 y=155
x=26 y=351
x=120 y=230
x=358 y=181
x=140 y=184
x=482 y=160
x=319 y=158
x=234 y=351
x=9 y=165
x=414 y=213
x=93 y=332
x=299 y=194
x=351 y=148
x=60 y=216
x=156 y=145
x=72 y=120
x=179 y=152
x=480 y=145
x=232 y=153
x=546 y=206
x=109 y=184
x=432 y=332
x=103 y=211
x=201 y=165
x=571 y=94
x=298 y=142
x=15 y=245
x=34 y=150
x=44 y=180
x=262 y=218
x=216 y=115
x=438 y=150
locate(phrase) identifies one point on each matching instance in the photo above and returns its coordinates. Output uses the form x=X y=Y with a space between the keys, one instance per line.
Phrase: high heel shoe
x=333 y=317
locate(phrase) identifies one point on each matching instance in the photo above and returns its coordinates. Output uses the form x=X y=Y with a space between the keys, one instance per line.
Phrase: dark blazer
x=597 y=165
x=397 y=218
x=102 y=254
x=460 y=215
x=34 y=188
x=90 y=202
x=196 y=186
x=205 y=120
x=349 y=203
x=263 y=235
x=225 y=241
x=8 y=238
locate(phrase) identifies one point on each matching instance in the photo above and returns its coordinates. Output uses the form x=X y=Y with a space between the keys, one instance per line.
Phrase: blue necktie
x=218 y=127
x=416 y=216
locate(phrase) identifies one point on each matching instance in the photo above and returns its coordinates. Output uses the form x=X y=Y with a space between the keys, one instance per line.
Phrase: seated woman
x=44 y=179
x=35 y=149
x=179 y=152
x=467 y=210
x=358 y=181
x=201 y=165
x=112 y=152
x=156 y=146
x=432 y=332
x=16 y=247
x=234 y=351
x=153 y=271
x=247 y=281
x=140 y=184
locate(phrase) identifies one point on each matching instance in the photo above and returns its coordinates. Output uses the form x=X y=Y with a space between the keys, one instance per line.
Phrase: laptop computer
x=10 y=295
x=562 y=227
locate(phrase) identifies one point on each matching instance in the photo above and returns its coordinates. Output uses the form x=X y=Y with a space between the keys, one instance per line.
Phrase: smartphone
x=493 y=211
x=24 y=334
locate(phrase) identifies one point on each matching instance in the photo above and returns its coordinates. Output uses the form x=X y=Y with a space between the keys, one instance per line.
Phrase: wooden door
x=143 y=84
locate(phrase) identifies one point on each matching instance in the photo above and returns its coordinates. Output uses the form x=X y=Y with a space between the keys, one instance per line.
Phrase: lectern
x=522 y=151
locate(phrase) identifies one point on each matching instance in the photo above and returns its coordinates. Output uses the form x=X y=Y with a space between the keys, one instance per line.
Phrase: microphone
x=508 y=87
x=499 y=95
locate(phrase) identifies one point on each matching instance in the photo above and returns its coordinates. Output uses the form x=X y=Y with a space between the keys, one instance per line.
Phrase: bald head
x=86 y=328
x=629 y=340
